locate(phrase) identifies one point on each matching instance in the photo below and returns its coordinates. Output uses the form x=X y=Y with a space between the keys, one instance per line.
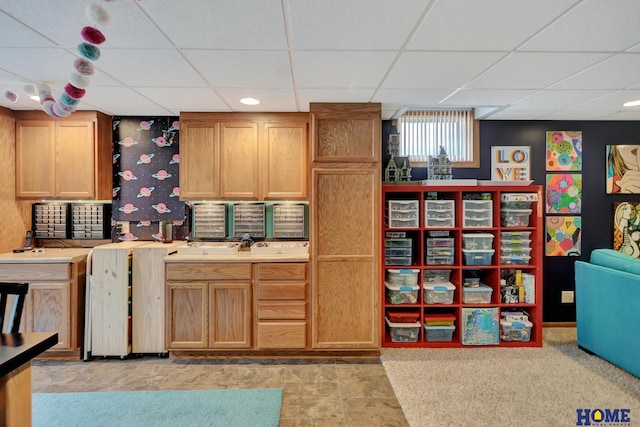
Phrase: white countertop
x=243 y=256
x=48 y=255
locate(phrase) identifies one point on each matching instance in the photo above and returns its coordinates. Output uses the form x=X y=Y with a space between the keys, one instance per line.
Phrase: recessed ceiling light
x=250 y=101
x=632 y=103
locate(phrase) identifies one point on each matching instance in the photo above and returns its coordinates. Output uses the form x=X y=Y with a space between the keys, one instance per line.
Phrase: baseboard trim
x=558 y=324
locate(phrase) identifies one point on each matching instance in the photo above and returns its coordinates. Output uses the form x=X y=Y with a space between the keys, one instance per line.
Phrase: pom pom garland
x=89 y=51
x=30 y=90
x=97 y=15
x=74 y=92
x=11 y=96
x=92 y=35
x=83 y=67
x=78 y=81
x=67 y=100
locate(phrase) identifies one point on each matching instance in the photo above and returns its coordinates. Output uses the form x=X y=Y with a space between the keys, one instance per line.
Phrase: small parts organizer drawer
x=439 y=213
x=477 y=213
x=397 y=251
x=402 y=214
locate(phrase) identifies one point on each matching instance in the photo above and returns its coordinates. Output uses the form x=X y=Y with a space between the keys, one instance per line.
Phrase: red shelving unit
x=489 y=274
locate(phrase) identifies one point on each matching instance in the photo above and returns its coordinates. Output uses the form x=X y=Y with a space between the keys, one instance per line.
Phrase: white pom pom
x=79 y=81
x=30 y=90
x=11 y=96
x=97 y=15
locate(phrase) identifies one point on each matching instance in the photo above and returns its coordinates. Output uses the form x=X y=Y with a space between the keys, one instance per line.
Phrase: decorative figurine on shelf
x=393 y=172
x=439 y=167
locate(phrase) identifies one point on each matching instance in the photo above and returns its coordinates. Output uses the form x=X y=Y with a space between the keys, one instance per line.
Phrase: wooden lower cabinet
x=240 y=306
x=48 y=306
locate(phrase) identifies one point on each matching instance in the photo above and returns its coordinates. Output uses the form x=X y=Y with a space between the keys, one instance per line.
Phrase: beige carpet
x=508 y=386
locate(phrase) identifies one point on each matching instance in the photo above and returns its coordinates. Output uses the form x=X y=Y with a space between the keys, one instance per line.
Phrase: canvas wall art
x=564 y=151
x=564 y=193
x=563 y=235
x=480 y=326
x=626 y=228
x=510 y=163
x=623 y=169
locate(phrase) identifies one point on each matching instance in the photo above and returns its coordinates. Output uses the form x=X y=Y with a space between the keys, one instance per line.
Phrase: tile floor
x=326 y=393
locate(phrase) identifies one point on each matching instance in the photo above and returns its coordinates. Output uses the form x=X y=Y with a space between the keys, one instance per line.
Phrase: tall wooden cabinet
x=243 y=156
x=66 y=158
x=344 y=213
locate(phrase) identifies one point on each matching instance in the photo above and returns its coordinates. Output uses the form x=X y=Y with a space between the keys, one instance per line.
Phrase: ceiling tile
x=306 y=96
x=15 y=34
x=270 y=99
x=432 y=70
x=557 y=99
x=416 y=97
x=592 y=26
x=612 y=102
x=146 y=67
x=39 y=65
x=523 y=70
x=184 y=98
x=508 y=114
x=624 y=115
x=360 y=24
x=484 y=25
x=315 y=69
x=575 y=115
x=266 y=69
x=618 y=72
x=247 y=24
x=120 y=101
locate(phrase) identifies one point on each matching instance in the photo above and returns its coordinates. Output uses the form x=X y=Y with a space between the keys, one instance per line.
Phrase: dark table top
x=18 y=349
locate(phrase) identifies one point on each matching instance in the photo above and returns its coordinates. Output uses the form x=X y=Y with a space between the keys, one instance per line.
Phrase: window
x=422 y=133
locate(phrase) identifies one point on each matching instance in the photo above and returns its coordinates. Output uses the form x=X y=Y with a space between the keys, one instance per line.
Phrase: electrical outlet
x=566 y=297
x=124 y=226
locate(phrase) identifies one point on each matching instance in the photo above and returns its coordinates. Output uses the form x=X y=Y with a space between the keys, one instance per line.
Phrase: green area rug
x=223 y=408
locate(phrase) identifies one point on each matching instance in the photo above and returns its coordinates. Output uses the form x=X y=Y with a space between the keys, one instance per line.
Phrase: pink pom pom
x=92 y=35
x=11 y=96
x=83 y=66
x=74 y=92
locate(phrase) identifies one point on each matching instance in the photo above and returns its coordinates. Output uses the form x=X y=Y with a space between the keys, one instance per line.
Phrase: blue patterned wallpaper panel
x=146 y=185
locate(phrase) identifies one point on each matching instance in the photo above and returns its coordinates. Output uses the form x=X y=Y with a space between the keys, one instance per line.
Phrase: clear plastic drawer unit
x=248 y=218
x=477 y=213
x=439 y=213
x=288 y=220
x=209 y=220
x=402 y=214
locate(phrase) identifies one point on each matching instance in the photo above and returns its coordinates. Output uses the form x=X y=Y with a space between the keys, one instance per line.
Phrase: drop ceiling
x=509 y=59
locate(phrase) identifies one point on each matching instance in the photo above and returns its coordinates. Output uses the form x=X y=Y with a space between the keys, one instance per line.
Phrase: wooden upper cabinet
x=283 y=160
x=199 y=160
x=67 y=158
x=346 y=132
x=239 y=160
x=243 y=156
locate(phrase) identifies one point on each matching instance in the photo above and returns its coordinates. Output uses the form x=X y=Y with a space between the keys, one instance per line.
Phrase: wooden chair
x=20 y=292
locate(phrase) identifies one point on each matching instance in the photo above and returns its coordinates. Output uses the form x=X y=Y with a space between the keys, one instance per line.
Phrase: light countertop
x=244 y=256
x=48 y=255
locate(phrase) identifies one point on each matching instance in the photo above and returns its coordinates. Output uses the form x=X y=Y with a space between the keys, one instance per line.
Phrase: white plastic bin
x=439 y=293
x=478 y=256
x=403 y=332
x=515 y=330
x=402 y=276
x=477 y=295
x=401 y=294
x=438 y=333
x=477 y=240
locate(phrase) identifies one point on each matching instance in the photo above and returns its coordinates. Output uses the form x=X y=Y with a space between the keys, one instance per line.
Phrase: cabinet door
x=75 y=160
x=186 y=315
x=346 y=257
x=283 y=160
x=48 y=309
x=239 y=160
x=199 y=160
x=230 y=307
x=35 y=172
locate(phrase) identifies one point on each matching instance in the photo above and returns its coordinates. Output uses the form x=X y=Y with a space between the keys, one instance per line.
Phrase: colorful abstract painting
x=564 y=150
x=480 y=326
x=564 y=193
x=564 y=235
x=623 y=169
x=626 y=228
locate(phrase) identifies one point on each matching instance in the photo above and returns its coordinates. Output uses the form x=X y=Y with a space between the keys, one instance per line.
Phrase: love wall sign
x=510 y=163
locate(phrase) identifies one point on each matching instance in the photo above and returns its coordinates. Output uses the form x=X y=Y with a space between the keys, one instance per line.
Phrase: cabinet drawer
x=282 y=271
x=24 y=272
x=282 y=334
x=208 y=271
x=282 y=310
x=282 y=290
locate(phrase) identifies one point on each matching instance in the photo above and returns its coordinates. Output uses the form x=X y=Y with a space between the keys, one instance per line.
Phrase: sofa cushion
x=616 y=260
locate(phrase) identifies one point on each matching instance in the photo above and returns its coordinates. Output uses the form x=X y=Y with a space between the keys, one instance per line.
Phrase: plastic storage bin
x=438 y=333
x=478 y=256
x=477 y=213
x=515 y=217
x=439 y=319
x=477 y=240
x=515 y=260
x=440 y=259
x=405 y=252
x=402 y=316
x=477 y=295
x=509 y=251
x=402 y=213
x=403 y=332
x=436 y=276
x=515 y=243
x=471 y=282
x=439 y=213
x=397 y=260
x=398 y=243
x=440 y=241
x=519 y=330
x=439 y=293
x=401 y=294
x=402 y=277
x=515 y=235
